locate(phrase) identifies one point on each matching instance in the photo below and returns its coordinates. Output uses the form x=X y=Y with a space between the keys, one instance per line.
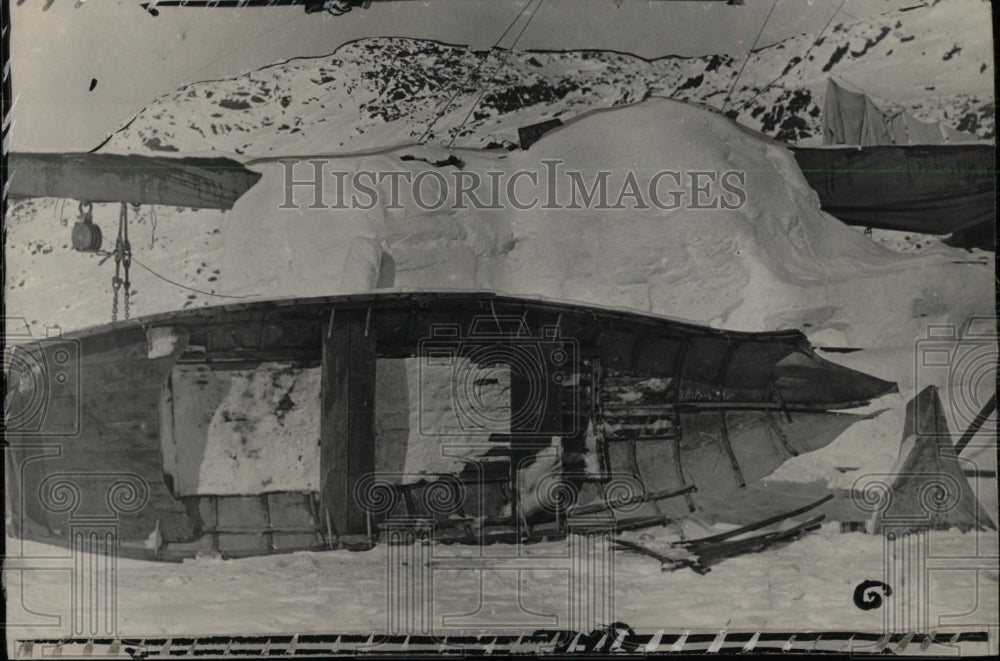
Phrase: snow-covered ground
x=807 y=585
x=774 y=262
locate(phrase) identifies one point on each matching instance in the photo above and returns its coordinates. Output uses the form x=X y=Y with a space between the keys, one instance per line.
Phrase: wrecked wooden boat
x=325 y=422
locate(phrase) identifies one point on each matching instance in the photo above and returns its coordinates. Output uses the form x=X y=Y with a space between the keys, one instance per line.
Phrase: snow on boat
x=317 y=423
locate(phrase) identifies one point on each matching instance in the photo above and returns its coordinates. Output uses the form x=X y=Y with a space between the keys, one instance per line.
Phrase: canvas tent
x=852 y=118
x=893 y=171
x=932 y=189
x=929 y=488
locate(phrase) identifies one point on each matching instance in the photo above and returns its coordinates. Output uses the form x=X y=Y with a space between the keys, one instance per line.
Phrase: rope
x=198 y=291
x=813 y=45
x=58 y=209
x=123 y=260
x=475 y=71
x=868 y=92
x=152 y=222
x=805 y=58
x=126 y=260
x=503 y=63
x=749 y=55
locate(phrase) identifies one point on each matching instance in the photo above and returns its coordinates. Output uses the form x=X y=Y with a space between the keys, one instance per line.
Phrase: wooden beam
x=540 y=406
x=977 y=423
x=347 y=419
x=727 y=446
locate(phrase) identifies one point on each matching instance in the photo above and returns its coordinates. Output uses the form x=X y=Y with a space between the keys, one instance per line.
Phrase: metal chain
x=116 y=281
x=126 y=256
x=115 y=284
x=123 y=259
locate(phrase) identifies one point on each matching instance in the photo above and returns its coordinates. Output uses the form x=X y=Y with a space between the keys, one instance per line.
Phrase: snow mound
x=775 y=261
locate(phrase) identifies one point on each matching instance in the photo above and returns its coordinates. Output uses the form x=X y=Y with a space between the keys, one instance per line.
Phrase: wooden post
x=519 y=389
x=542 y=417
x=347 y=419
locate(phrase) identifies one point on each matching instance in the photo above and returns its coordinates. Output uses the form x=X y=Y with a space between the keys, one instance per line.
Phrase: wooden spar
x=973 y=429
x=679 y=434
x=780 y=434
x=347 y=421
x=199 y=183
x=773 y=390
x=757 y=525
x=642 y=498
x=728 y=447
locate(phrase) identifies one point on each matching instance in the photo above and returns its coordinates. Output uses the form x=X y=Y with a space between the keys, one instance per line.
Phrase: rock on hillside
x=384 y=92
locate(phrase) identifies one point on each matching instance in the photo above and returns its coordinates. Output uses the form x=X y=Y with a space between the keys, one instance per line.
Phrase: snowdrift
x=776 y=261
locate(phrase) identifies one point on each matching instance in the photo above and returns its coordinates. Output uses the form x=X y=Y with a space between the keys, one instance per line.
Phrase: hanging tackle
x=123 y=261
x=86 y=236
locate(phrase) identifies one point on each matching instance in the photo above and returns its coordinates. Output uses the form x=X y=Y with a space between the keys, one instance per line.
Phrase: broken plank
x=763 y=523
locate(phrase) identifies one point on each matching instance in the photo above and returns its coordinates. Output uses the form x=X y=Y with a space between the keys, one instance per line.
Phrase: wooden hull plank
x=347 y=421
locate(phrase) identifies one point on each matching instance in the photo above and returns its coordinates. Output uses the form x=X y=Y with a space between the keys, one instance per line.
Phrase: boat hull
x=625 y=417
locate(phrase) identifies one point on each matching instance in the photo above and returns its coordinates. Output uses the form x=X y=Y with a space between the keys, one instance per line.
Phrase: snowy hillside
x=383 y=92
